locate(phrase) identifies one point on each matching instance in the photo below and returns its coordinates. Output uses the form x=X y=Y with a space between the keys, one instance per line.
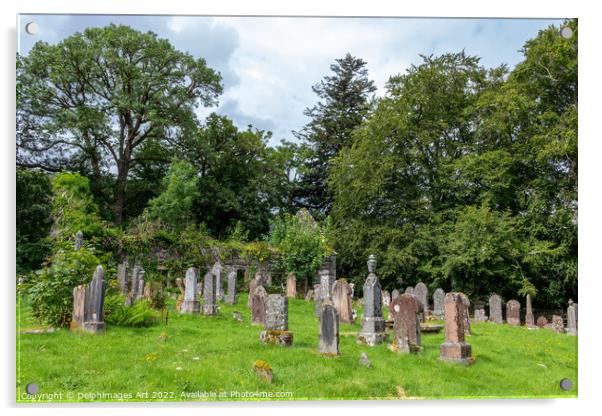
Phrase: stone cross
x=422 y=293
x=405 y=310
x=210 y=294
x=529 y=318
x=88 y=304
x=258 y=305
x=438 y=297
x=571 y=319
x=231 y=296
x=513 y=312
x=79 y=240
x=341 y=298
x=466 y=314
x=373 y=325
x=557 y=324
x=291 y=285
x=122 y=277
x=455 y=348
x=329 y=330
x=191 y=303
x=276 y=321
x=495 y=309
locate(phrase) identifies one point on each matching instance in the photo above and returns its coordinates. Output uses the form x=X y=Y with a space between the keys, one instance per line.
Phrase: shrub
x=140 y=314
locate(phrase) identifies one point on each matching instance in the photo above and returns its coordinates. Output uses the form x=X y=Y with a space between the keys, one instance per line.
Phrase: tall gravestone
x=513 y=312
x=341 y=298
x=231 y=296
x=571 y=319
x=495 y=309
x=216 y=270
x=438 y=297
x=88 y=304
x=276 y=321
x=210 y=294
x=455 y=348
x=190 y=303
x=422 y=293
x=252 y=286
x=373 y=324
x=529 y=318
x=323 y=292
x=122 y=277
x=405 y=310
x=180 y=298
x=466 y=314
x=291 y=285
x=258 y=306
x=329 y=330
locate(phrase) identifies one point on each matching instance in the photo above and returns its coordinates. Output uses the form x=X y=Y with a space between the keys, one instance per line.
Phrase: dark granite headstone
x=329 y=330
x=373 y=324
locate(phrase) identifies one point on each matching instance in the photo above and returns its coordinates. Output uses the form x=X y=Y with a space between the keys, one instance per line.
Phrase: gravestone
x=386 y=298
x=323 y=292
x=252 y=286
x=352 y=287
x=341 y=298
x=438 y=297
x=291 y=285
x=409 y=290
x=79 y=240
x=258 y=305
x=88 y=304
x=180 y=298
x=276 y=321
x=422 y=293
x=191 y=303
x=529 y=318
x=454 y=349
x=209 y=294
x=513 y=312
x=373 y=324
x=216 y=270
x=394 y=294
x=466 y=314
x=309 y=295
x=231 y=297
x=542 y=322
x=329 y=330
x=557 y=324
x=405 y=310
x=495 y=309
x=571 y=320
x=479 y=313
x=122 y=277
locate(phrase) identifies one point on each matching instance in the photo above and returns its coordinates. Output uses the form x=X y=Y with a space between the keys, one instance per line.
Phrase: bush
x=140 y=314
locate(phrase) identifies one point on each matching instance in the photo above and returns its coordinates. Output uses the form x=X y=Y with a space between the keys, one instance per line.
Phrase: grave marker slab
x=258 y=306
x=513 y=312
x=495 y=309
x=190 y=303
x=341 y=298
x=455 y=349
x=405 y=310
x=438 y=297
x=329 y=330
x=210 y=294
x=276 y=321
x=231 y=297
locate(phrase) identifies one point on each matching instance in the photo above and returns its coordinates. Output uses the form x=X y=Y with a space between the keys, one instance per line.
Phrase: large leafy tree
x=108 y=98
x=344 y=104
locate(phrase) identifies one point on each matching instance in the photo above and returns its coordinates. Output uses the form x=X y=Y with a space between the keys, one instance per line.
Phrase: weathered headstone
x=466 y=314
x=495 y=309
x=513 y=312
x=373 y=324
x=438 y=297
x=454 y=348
x=329 y=330
x=252 y=286
x=542 y=322
x=122 y=277
x=79 y=240
x=217 y=272
x=88 y=304
x=341 y=298
x=394 y=294
x=479 y=313
x=422 y=293
x=386 y=298
x=180 y=298
x=258 y=306
x=323 y=292
x=571 y=320
x=276 y=321
x=209 y=294
x=557 y=324
x=409 y=290
x=291 y=285
x=405 y=310
x=231 y=296
x=191 y=303
x=529 y=318
x=352 y=287
x=309 y=295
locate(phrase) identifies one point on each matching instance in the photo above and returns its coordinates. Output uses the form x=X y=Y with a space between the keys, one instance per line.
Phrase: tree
x=106 y=97
x=344 y=105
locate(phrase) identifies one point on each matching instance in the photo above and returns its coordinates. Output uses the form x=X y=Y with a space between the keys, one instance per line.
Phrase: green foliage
x=139 y=314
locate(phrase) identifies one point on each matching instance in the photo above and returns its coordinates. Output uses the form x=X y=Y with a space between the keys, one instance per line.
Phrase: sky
x=269 y=64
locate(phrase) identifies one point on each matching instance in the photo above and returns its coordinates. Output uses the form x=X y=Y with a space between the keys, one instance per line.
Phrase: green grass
x=216 y=354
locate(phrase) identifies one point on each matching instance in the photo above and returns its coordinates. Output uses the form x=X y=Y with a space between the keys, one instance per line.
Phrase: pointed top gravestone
x=191 y=303
x=422 y=293
x=455 y=349
x=373 y=325
x=329 y=330
x=529 y=318
x=495 y=309
x=438 y=297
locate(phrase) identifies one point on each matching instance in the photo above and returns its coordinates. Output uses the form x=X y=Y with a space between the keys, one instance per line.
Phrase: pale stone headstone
x=276 y=321
x=88 y=304
x=394 y=294
x=329 y=330
x=79 y=240
x=352 y=287
x=386 y=298
x=258 y=305
x=216 y=270
x=557 y=324
x=529 y=318
x=513 y=312
x=323 y=292
x=291 y=285
x=209 y=294
x=341 y=298
x=122 y=277
x=571 y=319
x=409 y=290
x=422 y=293
x=455 y=348
x=252 y=286
x=373 y=325
x=495 y=309
x=231 y=297
x=405 y=310
x=438 y=297
x=479 y=313
x=466 y=314
x=542 y=322
x=191 y=303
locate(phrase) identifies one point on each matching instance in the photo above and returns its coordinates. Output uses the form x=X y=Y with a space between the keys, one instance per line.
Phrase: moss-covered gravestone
x=276 y=321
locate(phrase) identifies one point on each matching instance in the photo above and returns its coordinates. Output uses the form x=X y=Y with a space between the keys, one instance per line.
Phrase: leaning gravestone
x=409 y=290
x=291 y=285
x=373 y=324
x=122 y=277
x=542 y=322
x=571 y=320
x=231 y=296
x=191 y=302
x=341 y=298
x=513 y=312
x=405 y=310
x=258 y=306
x=529 y=318
x=422 y=293
x=329 y=330
x=495 y=309
x=466 y=314
x=438 y=297
x=557 y=324
x=209 y=294
x=276 y=321
x=454 y=348
x=88 y=304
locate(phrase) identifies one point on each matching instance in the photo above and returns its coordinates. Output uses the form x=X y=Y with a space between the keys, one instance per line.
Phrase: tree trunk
x=120 y=194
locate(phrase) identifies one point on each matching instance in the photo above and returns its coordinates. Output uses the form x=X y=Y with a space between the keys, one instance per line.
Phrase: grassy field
x=211 y=358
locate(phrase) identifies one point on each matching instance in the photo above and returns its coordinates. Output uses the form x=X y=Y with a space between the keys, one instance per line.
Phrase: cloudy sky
x=269 y=64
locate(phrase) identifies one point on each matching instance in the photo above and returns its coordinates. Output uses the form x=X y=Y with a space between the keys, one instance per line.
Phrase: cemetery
x=425 y=248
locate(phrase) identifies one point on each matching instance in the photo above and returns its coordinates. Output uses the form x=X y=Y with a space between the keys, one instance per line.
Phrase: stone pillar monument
x=373 y=324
